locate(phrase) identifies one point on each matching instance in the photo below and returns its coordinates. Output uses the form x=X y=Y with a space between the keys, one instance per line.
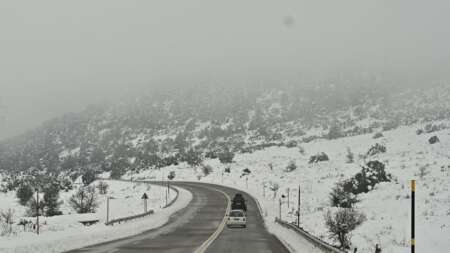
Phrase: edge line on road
x=221 y=227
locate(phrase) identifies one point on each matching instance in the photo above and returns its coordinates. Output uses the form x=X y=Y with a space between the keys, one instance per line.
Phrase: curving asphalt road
x=189 y=229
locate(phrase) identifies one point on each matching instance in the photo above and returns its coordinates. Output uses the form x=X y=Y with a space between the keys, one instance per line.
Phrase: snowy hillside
x=387 y=206
x=159 y=129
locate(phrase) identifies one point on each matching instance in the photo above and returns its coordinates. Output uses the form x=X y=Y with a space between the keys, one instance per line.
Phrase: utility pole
x=288 y=196
x=107 y=209
x=246 y=182
x=298 y=207
x=413 y=213
x=37 y=211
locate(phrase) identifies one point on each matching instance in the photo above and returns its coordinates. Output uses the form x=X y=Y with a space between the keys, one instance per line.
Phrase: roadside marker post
x=37 y=211
x=107 y=209
x=298 y=207
x=288 y=197
x=145 y=198
x=413 y=213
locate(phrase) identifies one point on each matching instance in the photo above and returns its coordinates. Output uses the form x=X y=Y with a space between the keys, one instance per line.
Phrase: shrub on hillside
x=376 y=149
x=226 y=156
x=51 y=201
x=301 y=150
x=32 y=208
x=350 y=157
x=334 y=132
x=433 y=140
x=340 y=198
x=102 y=187
x=341 y=223
x=24 y=193
x=84 y=200
x=291 y=166
x=207 y=169
x=378 y=135
x=193 y=158
x=364 y=181
x=171 y=175
x=291 y=144
x=246 y=172
x=227 y=170
x=430 y=128
x=66 y=185
x=321 y=157
x=88 y=177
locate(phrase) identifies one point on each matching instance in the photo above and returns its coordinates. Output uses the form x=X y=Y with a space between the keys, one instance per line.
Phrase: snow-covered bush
x=227 y=170
x=376 y=149
x=321 y=157
x=341 y=223
x=274 y=187
x=291 y=144
x=84 y=200
x=371 y=174
x=378 y=135
x=291 y=166
x=340 y=198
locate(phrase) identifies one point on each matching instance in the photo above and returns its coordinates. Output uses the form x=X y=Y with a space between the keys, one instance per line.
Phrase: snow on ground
x=387 y=207
x=62 y=233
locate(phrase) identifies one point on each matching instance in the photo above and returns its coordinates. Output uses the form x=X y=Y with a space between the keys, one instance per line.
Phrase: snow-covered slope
x=387 y=207
x=62 y=233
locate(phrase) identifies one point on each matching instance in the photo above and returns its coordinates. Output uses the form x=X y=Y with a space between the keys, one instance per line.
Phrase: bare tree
x=341 y=223
x=85 y=200
x=6 y=221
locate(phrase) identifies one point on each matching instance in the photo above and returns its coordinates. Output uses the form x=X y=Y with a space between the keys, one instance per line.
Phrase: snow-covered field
x=62 y=233
x=387 y=206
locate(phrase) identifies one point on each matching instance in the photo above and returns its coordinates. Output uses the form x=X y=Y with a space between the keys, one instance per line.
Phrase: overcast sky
x=58 y=56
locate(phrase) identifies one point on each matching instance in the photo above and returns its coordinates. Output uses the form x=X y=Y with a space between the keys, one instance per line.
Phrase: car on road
x=237 y=218
x=238 y=203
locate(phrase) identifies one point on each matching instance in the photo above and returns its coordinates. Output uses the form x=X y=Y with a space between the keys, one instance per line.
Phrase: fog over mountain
x=58 y=57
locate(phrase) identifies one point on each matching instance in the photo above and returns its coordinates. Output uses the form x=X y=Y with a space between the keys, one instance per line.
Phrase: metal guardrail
x=125 y=219
x=314 y=240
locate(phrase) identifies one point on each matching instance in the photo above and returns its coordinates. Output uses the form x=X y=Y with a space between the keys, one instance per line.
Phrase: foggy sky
x=59 y=56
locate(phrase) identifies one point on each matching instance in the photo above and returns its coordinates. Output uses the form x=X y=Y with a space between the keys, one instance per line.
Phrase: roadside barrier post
x=280 y=209
x=298 y=207
x=413 y=200
x=288 y=197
